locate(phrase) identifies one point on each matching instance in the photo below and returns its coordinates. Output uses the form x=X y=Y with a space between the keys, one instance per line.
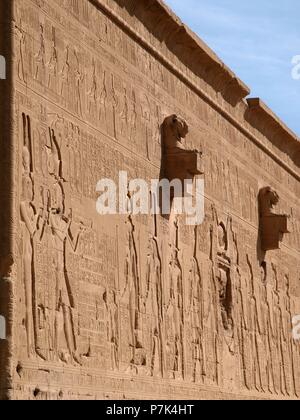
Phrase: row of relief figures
x=91 y=90
x=208 y=320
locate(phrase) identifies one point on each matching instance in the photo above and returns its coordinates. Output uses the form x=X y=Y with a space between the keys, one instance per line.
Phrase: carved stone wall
x=138 y=306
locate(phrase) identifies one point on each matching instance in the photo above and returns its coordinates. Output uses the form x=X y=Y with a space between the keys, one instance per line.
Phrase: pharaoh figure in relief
x=272 y=334
x=55 y=304
x=286 y=340
x=196 y=311
x=40 y=56
x=224 y=276
x=175 y=315
x=243 y=329
x=65 y=302
x=64 y=75
x=45 y=292
x=154 y=307
x=283 y=321
x=21 y=36
x=212 y=313
x=79 y=80
x=29 y=220
x=103 y=102
x=131 y=297
x=112 y=326
x=52 y=64
x=93 y=92
x=256 y=332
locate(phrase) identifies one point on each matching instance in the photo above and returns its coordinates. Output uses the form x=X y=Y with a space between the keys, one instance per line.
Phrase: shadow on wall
x=2 y=68
x=178 y=163
x=272 y=226
x=2 y=328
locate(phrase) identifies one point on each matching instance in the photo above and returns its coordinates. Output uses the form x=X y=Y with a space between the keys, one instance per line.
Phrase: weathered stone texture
x=137 y=307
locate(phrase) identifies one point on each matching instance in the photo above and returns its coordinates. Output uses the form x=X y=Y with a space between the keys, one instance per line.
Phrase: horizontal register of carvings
x=215 y=67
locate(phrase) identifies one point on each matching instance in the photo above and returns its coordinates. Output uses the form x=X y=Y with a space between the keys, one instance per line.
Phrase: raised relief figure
x=54 y=162
x=65 y=74
x=65 y=302
x=197 y=323
x=272 y=226
x=29 y=224
x=175 y=314
x=244 y=339
x=21 y=36
x=29 y=220
x=256 y=331
x=40 y=57
x=271 y=337
x=79 y=79
x=154 y=305
x=53 y=64
x=103 y=103
x=131 y=295
x=112 y=325
x=93 y=92
x=179 y=162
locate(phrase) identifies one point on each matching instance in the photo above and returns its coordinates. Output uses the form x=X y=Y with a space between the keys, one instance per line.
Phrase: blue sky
x=257 y=39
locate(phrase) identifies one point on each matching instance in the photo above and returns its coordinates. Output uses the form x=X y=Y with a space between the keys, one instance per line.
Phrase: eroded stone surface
x=138 y=306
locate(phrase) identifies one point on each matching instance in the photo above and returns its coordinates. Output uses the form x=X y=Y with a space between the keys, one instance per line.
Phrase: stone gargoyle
x=272 y=226
x=179 y=162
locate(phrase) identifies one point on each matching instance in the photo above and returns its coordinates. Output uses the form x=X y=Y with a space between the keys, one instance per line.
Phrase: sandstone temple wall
x=137 y=306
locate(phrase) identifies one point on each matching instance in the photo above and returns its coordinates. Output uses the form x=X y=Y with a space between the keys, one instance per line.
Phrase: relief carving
x=103 y=99
x=50 y=326
x=21 y=37
x=79 y=78
x=113 y=330
x=52 y=64
x=256 y=332
x=154 y=307
x=271 y=337
x=196 y=311
x=93 y=92
x=65 y=301
x=40 y=57
x=64 y=74
x=107 y=309
x=243 y=329
x=212 y=330
x=29 y=219
x=175 y=316
x=132 y=296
